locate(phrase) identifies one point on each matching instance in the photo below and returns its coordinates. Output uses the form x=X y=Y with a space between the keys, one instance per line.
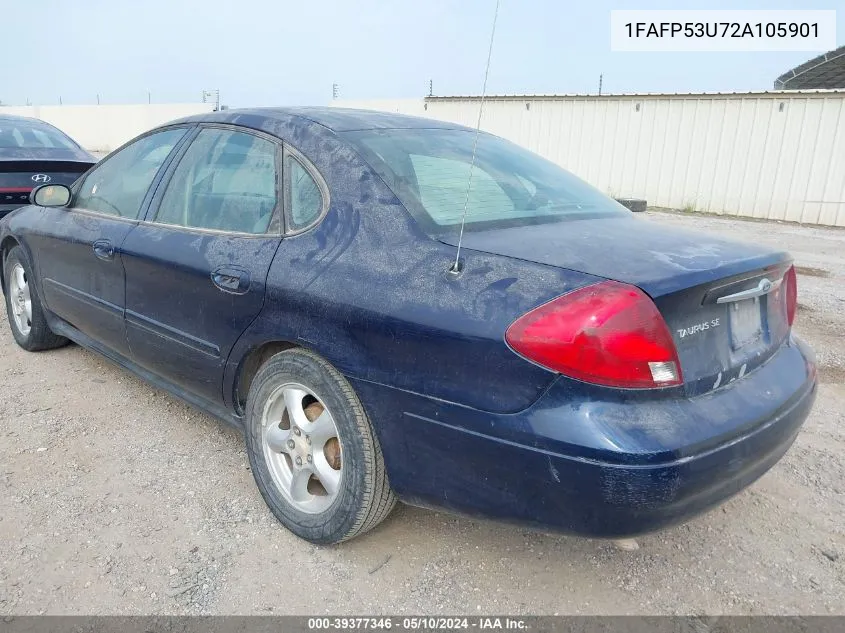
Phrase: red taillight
x=791 y=283
x=609 y=333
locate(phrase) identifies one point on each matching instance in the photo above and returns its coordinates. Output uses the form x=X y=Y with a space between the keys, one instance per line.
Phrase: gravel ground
x=117 y=499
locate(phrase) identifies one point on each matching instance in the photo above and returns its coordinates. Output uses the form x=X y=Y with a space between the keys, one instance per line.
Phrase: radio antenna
x=456 y=267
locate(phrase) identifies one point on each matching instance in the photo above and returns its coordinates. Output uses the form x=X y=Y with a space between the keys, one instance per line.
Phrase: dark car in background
x=293 y=272
x=34 y=153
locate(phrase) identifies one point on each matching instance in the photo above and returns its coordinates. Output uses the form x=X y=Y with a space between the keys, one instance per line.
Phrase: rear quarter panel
x=369 y=291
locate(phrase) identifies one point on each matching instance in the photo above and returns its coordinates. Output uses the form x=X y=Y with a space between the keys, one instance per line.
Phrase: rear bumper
x=605 y=468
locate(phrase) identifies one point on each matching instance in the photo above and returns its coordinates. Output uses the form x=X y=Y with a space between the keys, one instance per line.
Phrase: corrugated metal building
x=825 y=71
x=776 y=155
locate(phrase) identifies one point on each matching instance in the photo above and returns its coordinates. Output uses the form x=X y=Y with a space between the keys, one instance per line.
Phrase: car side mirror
x=50 y=196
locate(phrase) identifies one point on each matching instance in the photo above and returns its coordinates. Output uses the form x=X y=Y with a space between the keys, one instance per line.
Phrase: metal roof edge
x=634 y=95
x=810 y=64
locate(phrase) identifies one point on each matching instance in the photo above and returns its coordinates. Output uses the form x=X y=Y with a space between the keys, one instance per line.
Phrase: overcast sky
x=284 y=52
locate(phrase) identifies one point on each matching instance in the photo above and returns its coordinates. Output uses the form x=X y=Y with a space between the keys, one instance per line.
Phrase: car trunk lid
x=19 y=177
x=723 y=301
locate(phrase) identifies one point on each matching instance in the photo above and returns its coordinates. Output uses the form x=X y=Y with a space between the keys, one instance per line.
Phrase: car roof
x=10 y=154
x=31 y=122
x=334 y=119
x=14 y=118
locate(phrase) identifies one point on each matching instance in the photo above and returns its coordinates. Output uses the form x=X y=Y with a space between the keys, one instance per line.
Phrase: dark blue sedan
x=293 y=272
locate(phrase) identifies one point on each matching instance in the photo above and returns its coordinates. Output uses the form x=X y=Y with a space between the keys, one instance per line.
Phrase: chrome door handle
x=103 y=249
x=231 y=280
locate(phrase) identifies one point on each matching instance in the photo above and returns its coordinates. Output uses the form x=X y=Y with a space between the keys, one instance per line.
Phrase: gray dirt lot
x=117 y=498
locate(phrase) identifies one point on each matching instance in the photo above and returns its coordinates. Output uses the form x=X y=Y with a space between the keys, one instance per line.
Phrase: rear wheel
x=313 y=452
x=26 y=316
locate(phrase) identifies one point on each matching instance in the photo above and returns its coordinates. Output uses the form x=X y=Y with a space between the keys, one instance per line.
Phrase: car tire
x=28 y=322
x=323 y=488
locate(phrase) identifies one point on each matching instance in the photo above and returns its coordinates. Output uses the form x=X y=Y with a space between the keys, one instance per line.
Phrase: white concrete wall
x=415 y=107
x=778 y=155
x=102 y=128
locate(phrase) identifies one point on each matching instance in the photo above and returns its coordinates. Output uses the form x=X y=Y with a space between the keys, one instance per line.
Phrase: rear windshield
x=429 y=170
x=26 y=135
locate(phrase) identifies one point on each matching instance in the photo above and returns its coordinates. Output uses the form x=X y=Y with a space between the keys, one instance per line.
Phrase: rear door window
x=226 y=181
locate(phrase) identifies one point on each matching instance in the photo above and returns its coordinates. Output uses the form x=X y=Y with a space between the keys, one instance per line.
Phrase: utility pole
x=211 y=96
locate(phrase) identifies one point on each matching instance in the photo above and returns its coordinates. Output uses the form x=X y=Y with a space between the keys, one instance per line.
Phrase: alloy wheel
x=302 y=448
x=20 y=300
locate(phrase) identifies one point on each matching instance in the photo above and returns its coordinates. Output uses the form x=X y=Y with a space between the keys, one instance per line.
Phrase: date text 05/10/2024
x=409 y=623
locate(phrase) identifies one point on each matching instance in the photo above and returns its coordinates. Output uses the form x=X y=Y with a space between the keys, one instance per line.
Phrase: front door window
x=119 y=184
